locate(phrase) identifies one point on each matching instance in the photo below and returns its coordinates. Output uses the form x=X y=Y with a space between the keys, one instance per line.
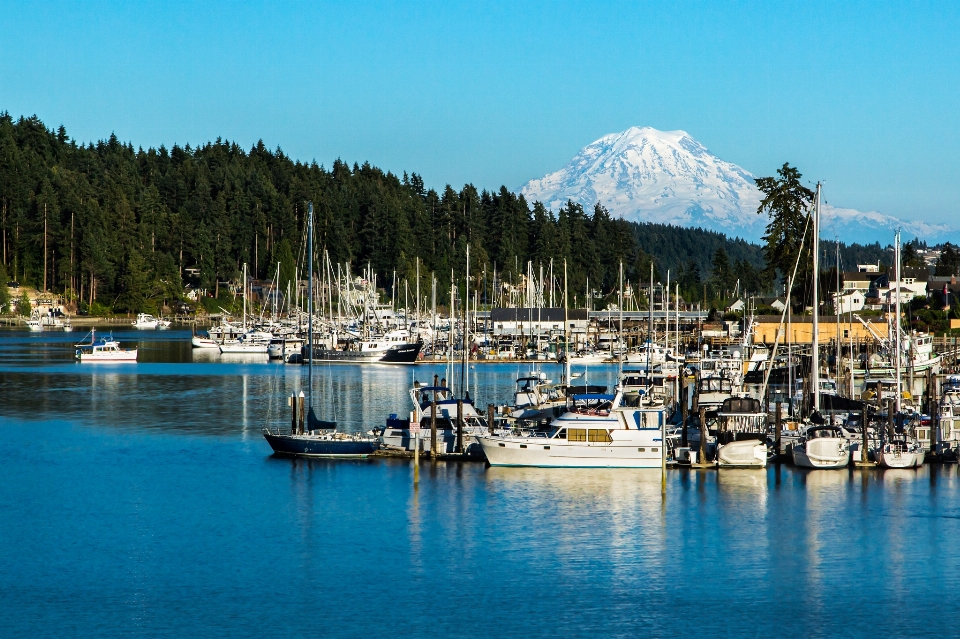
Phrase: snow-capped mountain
x=647 y=175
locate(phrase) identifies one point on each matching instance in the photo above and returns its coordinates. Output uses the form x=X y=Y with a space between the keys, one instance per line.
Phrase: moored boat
x=106 y=350
x=597 y=431
x=822 y=446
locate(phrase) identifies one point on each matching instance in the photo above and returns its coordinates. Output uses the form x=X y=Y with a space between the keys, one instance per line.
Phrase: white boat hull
x=203 y=342
x=122 y=356
x=901 y=460
x=259 y=349
x=822 y=453
x=750 y=453
x=638 y=449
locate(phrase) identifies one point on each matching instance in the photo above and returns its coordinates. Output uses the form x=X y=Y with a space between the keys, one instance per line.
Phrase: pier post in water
x=433 y=421
x=702 y=460
x=293 y=420
x=779 y=426
x=300 y=401
x=490 y=418
x=460 y=426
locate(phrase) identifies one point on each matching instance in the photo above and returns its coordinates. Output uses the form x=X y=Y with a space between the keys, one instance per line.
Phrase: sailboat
x=821 y=446
x=310 y=436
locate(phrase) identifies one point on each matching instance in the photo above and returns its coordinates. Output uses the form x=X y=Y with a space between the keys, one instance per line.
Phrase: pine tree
x=786 y=202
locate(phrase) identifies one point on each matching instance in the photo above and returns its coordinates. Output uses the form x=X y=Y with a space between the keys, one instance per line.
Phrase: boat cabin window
x=576 y=434
x=599 y=435
x=561 y=434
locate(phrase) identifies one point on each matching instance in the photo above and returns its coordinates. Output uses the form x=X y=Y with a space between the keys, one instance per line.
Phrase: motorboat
x=742 y=433
x=948 y=440
x=597 y=431
x=106 y=350
x=284 y=347
x=35 y=323
x=822 y=446
x=146 y=322
x=537 y=398
x=901 y=452
x=400 y=433
x=393 y=347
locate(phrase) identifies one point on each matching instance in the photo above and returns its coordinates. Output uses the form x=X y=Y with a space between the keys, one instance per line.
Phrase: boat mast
x=566 y=329
x=244 y=297
x=310 y=306
x=896 y=327
x=815 y=355
x=466 y=330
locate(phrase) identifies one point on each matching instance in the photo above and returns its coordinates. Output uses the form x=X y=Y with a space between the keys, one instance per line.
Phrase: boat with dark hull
x=395 y=353
x=315 y=438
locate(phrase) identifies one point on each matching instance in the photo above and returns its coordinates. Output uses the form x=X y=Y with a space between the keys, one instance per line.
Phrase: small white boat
x=106 y=350
x=35 y=323
x=146 y=322
x=822 y=447
x=198 y=341
x=253 y=342
x=901 y=453
x=163 y=324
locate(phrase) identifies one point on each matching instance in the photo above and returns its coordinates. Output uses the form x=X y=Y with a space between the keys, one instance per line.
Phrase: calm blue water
x=140 y=500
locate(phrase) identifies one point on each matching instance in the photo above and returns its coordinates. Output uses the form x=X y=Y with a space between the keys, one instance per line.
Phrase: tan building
x=801 y=329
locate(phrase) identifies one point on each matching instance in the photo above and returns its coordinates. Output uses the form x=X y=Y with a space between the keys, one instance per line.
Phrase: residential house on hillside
x=943 y=290
x=912 y=284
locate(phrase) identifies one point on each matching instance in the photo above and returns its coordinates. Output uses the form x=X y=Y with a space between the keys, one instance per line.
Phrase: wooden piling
x=459 y=448
x=433 y=422
x=779 y=432
x=490 y=416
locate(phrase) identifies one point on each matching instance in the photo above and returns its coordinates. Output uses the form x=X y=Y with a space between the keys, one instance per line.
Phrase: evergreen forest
x=118 y=229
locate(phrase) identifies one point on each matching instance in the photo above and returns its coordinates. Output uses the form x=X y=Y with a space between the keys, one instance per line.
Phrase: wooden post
x=663 y=457
x=293 y=421
x=459 y=448
x=684 y=412
x=864 y=454
x=300 y=401
x=416 y=458
x=490 y=415
x=779 y=426
x=890 y=427
x=433 y=421
x=703 y=436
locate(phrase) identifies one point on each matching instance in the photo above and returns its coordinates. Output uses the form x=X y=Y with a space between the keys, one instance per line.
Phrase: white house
x=850 y=301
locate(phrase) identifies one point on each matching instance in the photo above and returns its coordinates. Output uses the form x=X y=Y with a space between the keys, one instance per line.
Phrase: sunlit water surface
x=140 y=499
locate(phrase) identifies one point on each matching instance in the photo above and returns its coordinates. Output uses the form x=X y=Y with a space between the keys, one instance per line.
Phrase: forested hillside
x=115 y=225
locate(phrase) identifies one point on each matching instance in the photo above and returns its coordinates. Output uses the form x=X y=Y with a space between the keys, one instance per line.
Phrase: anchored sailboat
x=309 y=436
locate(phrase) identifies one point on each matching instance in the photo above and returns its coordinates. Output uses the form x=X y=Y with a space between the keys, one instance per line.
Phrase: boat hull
x=400 y=354
x=553 y=453
x=805 y=457
x=750 y=453
x=312 y=446
x=125 y=356
x=901 y=460
x=203 y=342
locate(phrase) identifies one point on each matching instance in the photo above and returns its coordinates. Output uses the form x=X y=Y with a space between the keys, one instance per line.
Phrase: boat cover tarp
x=835 y=403
x=317 y=424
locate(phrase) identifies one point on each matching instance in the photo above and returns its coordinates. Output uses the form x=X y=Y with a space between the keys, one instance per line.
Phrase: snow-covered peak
x=647 y=175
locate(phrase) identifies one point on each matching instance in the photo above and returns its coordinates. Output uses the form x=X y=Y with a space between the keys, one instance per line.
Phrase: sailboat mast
x=310 y=304
x=466 y=329
x=896 y=327
x=566 y=329
x=815 y=355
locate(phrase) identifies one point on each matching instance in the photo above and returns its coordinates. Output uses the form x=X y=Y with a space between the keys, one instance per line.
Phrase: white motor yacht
x=106 y=350
x=254 y=342
x=823 y=447
x=596 y=432
x=145 y=322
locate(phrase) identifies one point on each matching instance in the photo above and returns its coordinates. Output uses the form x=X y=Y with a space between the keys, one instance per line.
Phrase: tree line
x=114 y=228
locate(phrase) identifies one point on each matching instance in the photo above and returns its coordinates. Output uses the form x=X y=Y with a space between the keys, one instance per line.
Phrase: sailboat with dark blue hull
x=310 y=436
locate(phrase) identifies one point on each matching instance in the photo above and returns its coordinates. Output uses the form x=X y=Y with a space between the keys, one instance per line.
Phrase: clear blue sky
x=861 y=95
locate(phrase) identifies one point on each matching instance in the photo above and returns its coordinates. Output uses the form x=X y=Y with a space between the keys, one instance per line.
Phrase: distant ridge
x=647 y=175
